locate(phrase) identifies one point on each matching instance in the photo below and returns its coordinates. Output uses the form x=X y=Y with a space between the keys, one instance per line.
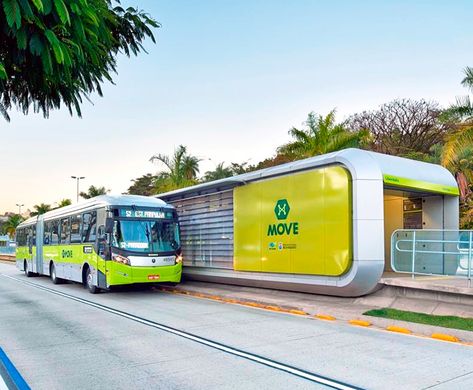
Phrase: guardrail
x=433 y=252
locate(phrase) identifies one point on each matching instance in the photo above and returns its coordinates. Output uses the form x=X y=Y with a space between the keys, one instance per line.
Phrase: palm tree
x=93 y=191
x=41 y=209
x=463 y=109
x=63 y=203
x=11 y=224
x=457 y=156
x=322 y=135
x=180 y=170
x=220 y=172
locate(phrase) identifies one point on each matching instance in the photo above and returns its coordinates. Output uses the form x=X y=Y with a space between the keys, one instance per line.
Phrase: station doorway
x=404 y=209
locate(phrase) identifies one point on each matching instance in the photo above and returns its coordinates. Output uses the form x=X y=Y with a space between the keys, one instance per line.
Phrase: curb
x=318 y=316
x=325 y=317
x=359 y=323
x=398 y=329
x=445 y=337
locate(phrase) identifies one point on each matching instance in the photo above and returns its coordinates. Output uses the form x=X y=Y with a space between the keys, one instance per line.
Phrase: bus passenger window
x=47 y=233
x=65 y=231
x=75 y=229
x=89 y=226
x=54 y=232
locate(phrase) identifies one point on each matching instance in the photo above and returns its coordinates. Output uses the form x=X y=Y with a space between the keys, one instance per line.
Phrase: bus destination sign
x=149 y=214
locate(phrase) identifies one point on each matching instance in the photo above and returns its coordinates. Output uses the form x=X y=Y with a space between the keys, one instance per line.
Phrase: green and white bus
x=103 y=242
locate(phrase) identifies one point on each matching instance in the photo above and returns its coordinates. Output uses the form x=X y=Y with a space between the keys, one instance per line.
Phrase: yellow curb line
x=325 y=317
x=249 y=303
x=445 y=337
x=236 y=301
x=298 y=312
x=273 y=308
x=359 y=322
x=398 y=329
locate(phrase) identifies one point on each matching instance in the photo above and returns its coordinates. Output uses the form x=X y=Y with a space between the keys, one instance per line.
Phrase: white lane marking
x=213 y=344
x=3 y=385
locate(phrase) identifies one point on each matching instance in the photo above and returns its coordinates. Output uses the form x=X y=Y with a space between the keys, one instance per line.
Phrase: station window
x=65 y=231
x=89 y=226
x=75 y=229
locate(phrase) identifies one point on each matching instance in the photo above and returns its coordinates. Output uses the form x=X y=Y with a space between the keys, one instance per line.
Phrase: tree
x=321 y=135
x=220 y=172
x=63 y=203
x=40 y=209
x=457 y=156
x=271 y=162
x=180 y=170
x=403 y=127
x=144 y=185
x=9 y=227
x=239 y=169
x=55 y=52
x=93 y=191
x=463 y=109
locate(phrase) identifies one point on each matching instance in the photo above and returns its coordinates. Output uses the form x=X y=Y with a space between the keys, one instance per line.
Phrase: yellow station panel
x=299 y=223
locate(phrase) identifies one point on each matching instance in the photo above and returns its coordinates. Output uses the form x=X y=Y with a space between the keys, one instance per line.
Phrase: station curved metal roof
x=363 y=165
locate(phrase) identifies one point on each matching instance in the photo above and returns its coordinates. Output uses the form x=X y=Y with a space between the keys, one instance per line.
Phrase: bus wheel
x=90 y=282
x=52 y=274
x=28 y=274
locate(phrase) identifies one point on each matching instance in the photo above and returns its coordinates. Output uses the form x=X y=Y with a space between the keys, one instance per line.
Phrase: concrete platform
x=446 y=289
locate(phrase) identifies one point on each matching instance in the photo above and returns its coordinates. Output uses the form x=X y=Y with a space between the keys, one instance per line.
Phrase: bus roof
x=100 y=201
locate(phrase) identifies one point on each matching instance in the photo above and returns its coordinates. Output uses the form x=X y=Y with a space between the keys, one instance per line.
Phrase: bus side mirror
x=109 y=225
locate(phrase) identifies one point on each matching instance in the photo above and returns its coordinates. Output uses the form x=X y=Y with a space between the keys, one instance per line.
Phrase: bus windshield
x=146 y=236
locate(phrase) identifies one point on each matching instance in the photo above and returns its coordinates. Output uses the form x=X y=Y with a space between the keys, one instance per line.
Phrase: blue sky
x=229 y=78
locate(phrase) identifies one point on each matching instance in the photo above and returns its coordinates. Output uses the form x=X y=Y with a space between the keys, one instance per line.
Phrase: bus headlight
x=120 y=259
x=179 y=259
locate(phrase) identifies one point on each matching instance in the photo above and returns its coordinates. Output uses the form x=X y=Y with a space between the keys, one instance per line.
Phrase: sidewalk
x=332 y=308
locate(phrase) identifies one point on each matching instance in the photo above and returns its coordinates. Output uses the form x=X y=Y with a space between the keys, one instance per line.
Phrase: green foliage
x=220 y=172
x=180 y=170
x=94 y=191
x=143 y=185
x=452 y=322
x=321 y=135
x=11 y=224
x=40 y=209
x=63 y=203
x=55 y=52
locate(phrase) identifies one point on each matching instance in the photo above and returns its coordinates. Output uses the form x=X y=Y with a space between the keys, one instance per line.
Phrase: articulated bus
x=102 y=242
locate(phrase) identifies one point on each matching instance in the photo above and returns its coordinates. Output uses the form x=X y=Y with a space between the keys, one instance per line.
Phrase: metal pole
x=469 y=259
x=77 y=178
x=413 y=253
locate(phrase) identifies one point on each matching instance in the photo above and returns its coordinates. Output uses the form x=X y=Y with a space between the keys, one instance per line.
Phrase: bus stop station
x=331 y=224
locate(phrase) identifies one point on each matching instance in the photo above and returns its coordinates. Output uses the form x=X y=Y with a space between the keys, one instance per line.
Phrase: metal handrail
x=414 y=241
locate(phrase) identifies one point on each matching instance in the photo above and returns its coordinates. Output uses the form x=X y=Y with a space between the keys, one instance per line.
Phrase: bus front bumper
x=120 y=274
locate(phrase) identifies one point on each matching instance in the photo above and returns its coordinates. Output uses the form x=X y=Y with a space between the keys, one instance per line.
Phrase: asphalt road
x=59 y=343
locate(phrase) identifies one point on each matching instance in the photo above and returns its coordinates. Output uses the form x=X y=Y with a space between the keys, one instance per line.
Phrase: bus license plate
x=153 y=277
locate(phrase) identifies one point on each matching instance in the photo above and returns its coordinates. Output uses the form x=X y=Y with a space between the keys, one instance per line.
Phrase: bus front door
x=104 y=255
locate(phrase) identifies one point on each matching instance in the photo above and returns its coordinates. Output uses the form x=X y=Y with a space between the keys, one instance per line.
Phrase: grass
x=452 y=322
